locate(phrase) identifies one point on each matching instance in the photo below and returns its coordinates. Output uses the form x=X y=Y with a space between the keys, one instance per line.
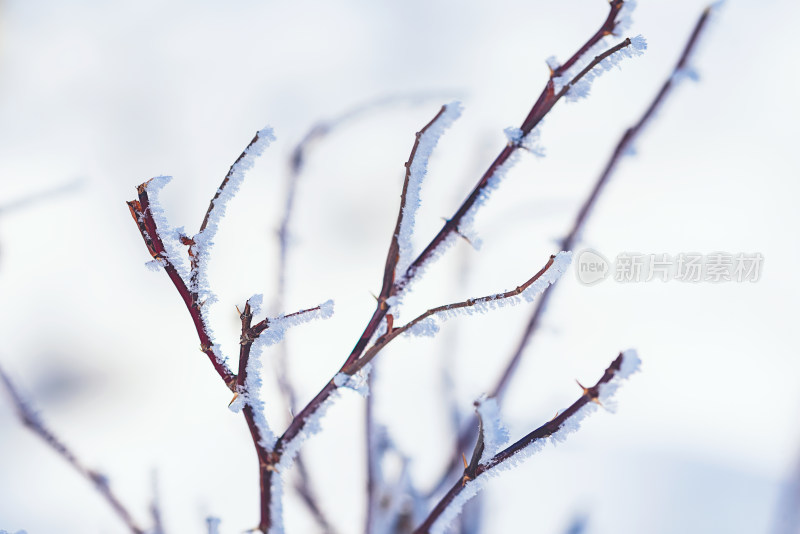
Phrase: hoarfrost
x=416 y=174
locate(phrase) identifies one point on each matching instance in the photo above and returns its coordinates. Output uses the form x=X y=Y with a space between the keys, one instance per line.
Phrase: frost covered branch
x=33 y=422
x=309 y=415
x=623 y=147
x=425 y=324
x=557 y=429
x=399 y=257
x=569 y=241
x=163 y=242
x=297 y=161
x=488 y=182
x=460 y=222
x=296 y=165
x=185 y=260
x=149 y=229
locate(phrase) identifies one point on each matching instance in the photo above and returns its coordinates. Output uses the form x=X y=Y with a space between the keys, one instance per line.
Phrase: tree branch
x=557 y=428
x=569 y=241
x=547 y=99
x=542 y=106
x=32 y=421
x=449 y=309
x=142 y=214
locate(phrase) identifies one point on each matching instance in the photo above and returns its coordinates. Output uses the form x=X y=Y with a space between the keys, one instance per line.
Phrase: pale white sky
x=115 y=93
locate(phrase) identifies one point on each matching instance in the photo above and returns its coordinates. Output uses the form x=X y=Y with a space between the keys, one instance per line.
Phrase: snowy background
x=113 y=93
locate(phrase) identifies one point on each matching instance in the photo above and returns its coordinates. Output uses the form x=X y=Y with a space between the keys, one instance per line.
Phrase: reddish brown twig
x=32 y=421
x=296 y=164
x=143 y=215
x=498 y=298
x=568 y=242
x=546 y=101
x=566 y=421
x=142 y=212
x=393 y=256
x=623 y=146
x=354 y=362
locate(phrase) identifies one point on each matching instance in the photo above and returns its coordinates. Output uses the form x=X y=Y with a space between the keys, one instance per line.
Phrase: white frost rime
x=204 y=241
x=429 y=326
x=581 y=89
x=169 y=236
x=416 y=174
x=583 y=86
x=495 y=432
x=358 y=382
x=630 y=365
x=250 y=395
x=275 y=332
x=290 y=450
x=195 y=277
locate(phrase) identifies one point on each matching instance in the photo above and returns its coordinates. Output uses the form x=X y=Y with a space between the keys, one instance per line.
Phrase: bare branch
x=551 y=271
x=286 y=446
x=297 y=161
x=242 y=164
x=142 y=214
x=416 y=168
x=623 y=146
x=556 y=429
x=155 y=508
x=32 y=421
x=200 y=245
x=548 y=98
x=569 y=241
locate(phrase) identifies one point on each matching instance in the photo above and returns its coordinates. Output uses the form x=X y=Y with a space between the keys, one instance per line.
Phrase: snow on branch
x=146 y=218
x=247 y=398
x=625 y=145
x=571 y=238
x=32 y=421
x=556 y=430
x=164 y=244
x=426 y=324
x=169 y=236
x=272 y=330
x=462 y=221
x=276 y=455
x=203 y=241
x=574 y=87
x=580 y=88
x=492 y=431
x=619 y=21
x=253 y=341
x=400 y=251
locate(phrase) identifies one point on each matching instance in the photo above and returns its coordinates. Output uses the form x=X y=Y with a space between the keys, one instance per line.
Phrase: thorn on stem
x=465 y=238
x=588 y=392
